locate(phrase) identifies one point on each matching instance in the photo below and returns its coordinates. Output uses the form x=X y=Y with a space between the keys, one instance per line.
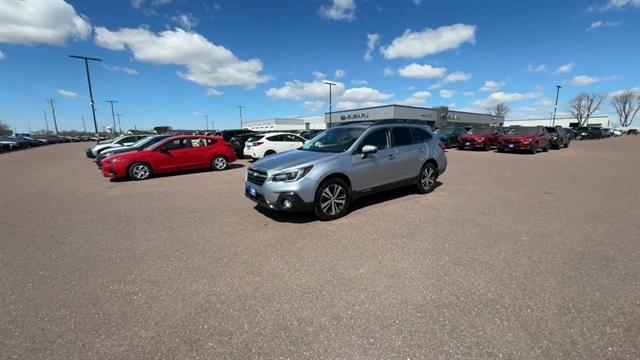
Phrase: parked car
x=268 y=144
x=310 y=134
x=482 y=137
x=633 y=132
x=138 y=145
x=176 y=153
x=527 y=138
x=345 y=162
x=583 y=133
x=558 y=137
x=228 y=134
x=238 y=143
x=125 y=140
x=6 y=144
x=617 y=133
x=449 y=135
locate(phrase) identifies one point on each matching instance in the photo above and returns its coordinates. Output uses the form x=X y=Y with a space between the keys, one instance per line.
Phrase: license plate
x=466 y=144
x=252 y=191
x=510 y=145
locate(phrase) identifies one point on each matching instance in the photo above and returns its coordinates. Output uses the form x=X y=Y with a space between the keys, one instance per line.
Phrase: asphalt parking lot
x=512 y=256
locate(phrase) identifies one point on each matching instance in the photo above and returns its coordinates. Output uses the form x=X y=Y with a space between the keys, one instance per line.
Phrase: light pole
x=119 y=124
x=555 y=108
x=46 y=123
x=84 y=127
x=113 y=117
x=240 y=108
x=53 y=112
x=331 y=84
x=93 y=104
x=206 y=122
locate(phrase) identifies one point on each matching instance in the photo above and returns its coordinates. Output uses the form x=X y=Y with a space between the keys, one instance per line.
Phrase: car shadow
x=356 y=205
x=180 y=173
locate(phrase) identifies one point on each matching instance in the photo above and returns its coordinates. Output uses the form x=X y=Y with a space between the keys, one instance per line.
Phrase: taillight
x=441 y=145
x=258 y=143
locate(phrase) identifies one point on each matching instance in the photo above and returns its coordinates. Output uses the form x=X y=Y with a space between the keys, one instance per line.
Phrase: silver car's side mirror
x=368 y=149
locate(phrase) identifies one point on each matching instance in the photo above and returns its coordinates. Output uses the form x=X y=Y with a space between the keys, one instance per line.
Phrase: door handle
x=391 y=157
x=420 y=149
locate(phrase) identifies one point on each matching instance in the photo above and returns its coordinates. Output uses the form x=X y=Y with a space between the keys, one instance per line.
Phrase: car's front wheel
x=139 y=171
x=332 y=199
x=427 y=178
x=219 y=163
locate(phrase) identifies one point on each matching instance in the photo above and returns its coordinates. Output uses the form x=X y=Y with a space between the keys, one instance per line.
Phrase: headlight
x=290 y=176
x=115 y=161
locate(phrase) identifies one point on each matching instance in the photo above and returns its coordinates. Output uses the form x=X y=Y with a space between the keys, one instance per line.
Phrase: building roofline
x=381 y=106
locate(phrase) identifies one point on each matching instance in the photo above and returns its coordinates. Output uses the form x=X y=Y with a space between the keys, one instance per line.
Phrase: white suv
x=263 y=145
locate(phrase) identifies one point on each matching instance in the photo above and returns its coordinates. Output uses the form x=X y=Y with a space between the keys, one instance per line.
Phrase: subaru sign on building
x=435 y=117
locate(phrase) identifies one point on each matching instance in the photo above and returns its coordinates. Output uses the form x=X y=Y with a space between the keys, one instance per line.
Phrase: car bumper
x=248 y=153
x=90 y=154
x=470 y=144
x=514 y=147
x=271 y=194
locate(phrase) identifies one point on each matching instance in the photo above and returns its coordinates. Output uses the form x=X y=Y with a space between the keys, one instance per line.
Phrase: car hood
x=105 y=146
x=118 y=150
x=292 y=159
x=516 y=137
x=472 y=136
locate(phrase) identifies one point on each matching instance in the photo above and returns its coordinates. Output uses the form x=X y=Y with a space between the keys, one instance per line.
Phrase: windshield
x=446 y=130
x=149 y=141
x=523 y=131
x=551 y=129
x=334 y=140
x=480 y=131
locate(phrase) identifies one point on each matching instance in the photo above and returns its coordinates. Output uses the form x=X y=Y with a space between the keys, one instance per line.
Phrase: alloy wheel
x=220 y=163
x=428 y=178
x=140 y=171
x=333 y=199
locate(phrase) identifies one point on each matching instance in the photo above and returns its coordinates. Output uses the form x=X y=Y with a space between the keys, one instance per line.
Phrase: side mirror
x=368 y=149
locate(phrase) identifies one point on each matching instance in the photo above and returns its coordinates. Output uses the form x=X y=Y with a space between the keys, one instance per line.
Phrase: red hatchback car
x=480 y=138
x=172 y=154
x=525 y=138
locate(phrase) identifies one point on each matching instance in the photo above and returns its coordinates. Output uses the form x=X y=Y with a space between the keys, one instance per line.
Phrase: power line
x=53 y=111
x=93 y=104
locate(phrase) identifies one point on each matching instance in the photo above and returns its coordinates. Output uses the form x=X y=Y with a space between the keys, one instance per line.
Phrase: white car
x=617 y=133
x=124 y=140
x=263 y=145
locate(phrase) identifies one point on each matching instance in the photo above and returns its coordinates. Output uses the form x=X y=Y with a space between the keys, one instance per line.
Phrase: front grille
x=515 y=142
x=255 y=176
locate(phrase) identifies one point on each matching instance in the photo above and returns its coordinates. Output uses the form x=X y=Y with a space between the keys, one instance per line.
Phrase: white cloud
x=298 y=90
x=417 y=2
x=359 y=82
x=186 y=21
x=498 y=97
x=446 y=94
x=340 y=73
x=207 y=64
x=536 y=68
x=468 y=93
x=583 y=80
x=457 y=76
x=429 y=41
x=213 y=92
x=539 y=87
x=69 y=94
x=372 y=41
x=435 y=86
x=416 y=99
x=124 y=69
x=339 y=10
x=491 y=85
x=136 y=3
x=599 y=24
x=318 y=74
x=196 y=113
x=364 y=94
x=389 y=71
x=619 y=4
x=50 y=22
x=417 y=71
x=545 y=101
x=566 y=68
x=2 y=55
x=314 y=105
x=635 y=90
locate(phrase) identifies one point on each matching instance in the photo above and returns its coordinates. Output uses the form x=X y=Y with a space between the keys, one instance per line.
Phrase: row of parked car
x=20 y=142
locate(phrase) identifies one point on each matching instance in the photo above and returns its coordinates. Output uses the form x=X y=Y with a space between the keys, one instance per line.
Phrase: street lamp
x=555 y=108
x=331 y=84
x=93 y=104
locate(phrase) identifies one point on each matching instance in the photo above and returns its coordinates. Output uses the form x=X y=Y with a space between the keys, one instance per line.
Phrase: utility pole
x=53 y=111
x=119 y=124
x=206 y=122
x=83 y=125
x=93 y=104
x=331 y=84
x=555 y=108
x=240 y=108
x=112 y=114
x=46 y=123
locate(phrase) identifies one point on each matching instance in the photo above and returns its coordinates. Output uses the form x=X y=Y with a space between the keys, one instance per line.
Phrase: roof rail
x=384 y=122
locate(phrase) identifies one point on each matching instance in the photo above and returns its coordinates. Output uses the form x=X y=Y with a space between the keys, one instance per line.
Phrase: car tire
x=332 y=199
x=219 y=163
x=533 y=148
x=546 y=148
x=139 y=171
x=500 y=150
x=268 y=153
x=487 y=146
x=427 y=178
x=567 y=144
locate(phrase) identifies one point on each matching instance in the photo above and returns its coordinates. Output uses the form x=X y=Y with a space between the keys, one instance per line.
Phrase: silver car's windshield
x=334 y=140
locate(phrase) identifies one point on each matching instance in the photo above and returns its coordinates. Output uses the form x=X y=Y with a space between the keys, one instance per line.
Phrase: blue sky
x=173 y=61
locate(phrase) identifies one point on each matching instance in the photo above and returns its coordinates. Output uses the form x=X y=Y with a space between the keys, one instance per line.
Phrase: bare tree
x=627 y=105
x=584 y=105
x=500 y=109
x=5 y=129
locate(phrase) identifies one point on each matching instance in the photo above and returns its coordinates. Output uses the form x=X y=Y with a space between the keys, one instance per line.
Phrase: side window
x=175 y=144
x=292 y=138
x=379 y=139
x=420 y=135
x=276 y=138
x=402 y=136
x=197 y=142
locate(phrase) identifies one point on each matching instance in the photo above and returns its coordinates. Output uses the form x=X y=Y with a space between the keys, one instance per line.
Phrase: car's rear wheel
x=332 y=199
x=546 y=148
x=219 y=163
x=269 y=152
x=139 y=171
x=427 y=178
x=567 y=144
x=533 y=148
x=487 y=146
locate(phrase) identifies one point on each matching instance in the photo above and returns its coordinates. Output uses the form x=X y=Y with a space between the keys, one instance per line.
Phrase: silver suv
x=343 y=163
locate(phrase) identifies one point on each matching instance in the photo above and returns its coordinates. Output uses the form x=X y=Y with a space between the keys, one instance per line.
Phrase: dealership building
x=435 y=117
x=602 y=121
x=289 y=123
